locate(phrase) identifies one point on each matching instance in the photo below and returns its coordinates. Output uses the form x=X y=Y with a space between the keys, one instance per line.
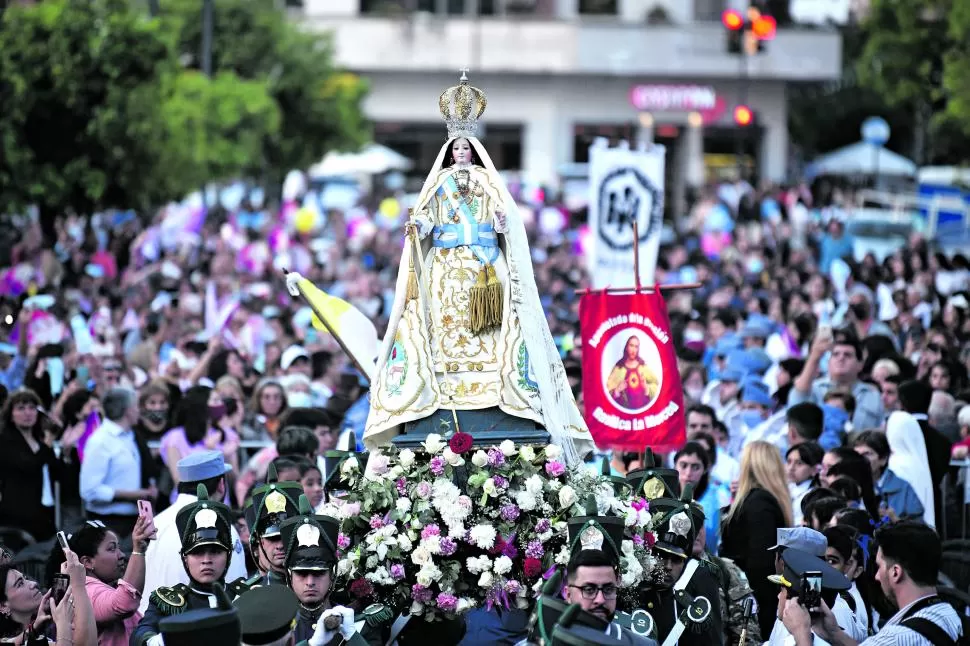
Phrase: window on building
x=584 y=135
x=709 y=10
x=395 y=7
x=598 y=7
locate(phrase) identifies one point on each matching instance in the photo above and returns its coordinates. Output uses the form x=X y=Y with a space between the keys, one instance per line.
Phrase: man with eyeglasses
x=593 y=572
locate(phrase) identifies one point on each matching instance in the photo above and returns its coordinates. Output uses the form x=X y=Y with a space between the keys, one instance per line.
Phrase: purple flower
x=343 y=541
x=421 y=594
x=447 y=546
x=638 y=540
x=534 y=549
x=500 y=482
x=447 y=602
x=543 y=526
x=376 y=522
x=555 y=469
x=424 y=490
x=430 y=530
x=510 y=512
x=437 y=465
x=397 y=571
x=495 y=458
x=513 y=587
x=402 y=486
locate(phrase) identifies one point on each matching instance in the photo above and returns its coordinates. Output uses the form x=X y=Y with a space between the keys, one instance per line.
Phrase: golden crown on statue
x=461 y=106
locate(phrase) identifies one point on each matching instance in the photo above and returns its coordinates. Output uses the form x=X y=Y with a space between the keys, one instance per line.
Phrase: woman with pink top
x=115 y=589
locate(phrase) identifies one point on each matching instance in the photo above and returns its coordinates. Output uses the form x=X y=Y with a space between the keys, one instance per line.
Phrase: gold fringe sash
x=485 y=301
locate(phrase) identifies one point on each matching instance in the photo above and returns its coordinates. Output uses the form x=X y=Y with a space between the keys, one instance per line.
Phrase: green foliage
x=956 y=70
x=102 y=106
x=904 y=49
x=320 y=106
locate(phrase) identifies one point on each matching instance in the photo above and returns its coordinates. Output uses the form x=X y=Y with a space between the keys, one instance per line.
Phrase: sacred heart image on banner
x=631 y=383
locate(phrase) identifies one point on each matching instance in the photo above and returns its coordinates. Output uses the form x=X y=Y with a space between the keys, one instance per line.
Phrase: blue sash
x=466 y=231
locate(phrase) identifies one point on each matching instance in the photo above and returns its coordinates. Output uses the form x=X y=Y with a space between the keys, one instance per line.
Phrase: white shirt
x=163 y=560
x=111 y=463
x=843 y=616
x=798 y=492
x=726 y=469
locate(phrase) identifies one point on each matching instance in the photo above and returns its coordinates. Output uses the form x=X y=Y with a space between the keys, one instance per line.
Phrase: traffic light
x=743 y=116
x=747 y=32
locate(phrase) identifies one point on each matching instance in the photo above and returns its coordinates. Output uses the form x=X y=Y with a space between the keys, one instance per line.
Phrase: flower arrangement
x=440 y=531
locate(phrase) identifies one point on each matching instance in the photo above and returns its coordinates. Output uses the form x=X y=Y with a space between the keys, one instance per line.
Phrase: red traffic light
x=743 y=116
x=732 y=19
x=764 y=27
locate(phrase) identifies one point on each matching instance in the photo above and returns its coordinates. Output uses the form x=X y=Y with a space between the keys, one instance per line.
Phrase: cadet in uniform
x=311 y=554
x=685 y=599
x=654 y=481
x=592 y=575
x=217 y=626
x=267 y=614
x=270 y=505
x=206 y=530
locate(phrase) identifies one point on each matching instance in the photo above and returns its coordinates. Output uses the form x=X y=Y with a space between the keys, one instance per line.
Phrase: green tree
x=906 y=42
x=96 y=111
x=956 y=69
x=319 y=104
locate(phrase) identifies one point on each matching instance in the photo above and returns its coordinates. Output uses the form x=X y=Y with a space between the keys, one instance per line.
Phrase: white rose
x=433 y=443
x=404 y=543
x=349 y=466
x=480 y=458
x=553 y=451
x=527 y=453
x=502 y=565
x=567 y=497
x=403 y=505
x=507 y=448
x=344 y=567
x=452 y=458
x=420 y=555
x=406 y=458
x=486 y=580
x=489 y=487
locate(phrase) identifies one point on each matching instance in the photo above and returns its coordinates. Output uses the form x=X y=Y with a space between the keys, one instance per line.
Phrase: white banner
x=626 y=186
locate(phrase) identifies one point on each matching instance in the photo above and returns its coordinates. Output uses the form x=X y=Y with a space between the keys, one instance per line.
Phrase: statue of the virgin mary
x=467 y=331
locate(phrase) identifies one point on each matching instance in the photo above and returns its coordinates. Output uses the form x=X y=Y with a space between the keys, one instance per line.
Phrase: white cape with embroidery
x=534 y=385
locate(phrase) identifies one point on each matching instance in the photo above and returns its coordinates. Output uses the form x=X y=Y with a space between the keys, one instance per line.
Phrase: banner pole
x=636 y=255
x=626 y=290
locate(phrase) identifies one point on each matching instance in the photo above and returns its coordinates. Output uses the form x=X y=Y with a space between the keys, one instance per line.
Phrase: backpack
x=934 y=633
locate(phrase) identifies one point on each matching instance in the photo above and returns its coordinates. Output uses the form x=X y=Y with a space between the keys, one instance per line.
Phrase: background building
x=559 y=73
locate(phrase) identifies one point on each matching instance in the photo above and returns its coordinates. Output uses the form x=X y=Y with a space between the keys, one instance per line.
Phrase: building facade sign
x=673 y=98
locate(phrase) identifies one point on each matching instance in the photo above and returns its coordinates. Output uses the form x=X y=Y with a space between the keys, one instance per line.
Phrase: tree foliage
x=320 y=107
x=103 y=106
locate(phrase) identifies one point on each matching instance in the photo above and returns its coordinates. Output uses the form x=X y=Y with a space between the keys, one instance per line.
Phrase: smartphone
x=811 y=594
x=62 y=540
x=81 y=373
x=145 y=509
x=59 y=586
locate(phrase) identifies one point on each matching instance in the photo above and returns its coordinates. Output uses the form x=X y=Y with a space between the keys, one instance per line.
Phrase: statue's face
x=461 y=150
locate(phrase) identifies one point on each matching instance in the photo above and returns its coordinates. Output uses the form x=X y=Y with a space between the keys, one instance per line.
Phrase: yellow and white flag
x=355 y=331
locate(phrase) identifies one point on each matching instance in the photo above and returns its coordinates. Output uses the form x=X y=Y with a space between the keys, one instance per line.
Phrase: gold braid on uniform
x=170 y=601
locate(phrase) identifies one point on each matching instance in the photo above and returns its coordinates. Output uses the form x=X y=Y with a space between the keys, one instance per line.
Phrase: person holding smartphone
x=114 y=582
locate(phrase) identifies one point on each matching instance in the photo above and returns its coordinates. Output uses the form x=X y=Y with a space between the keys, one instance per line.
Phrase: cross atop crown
x=464 y=73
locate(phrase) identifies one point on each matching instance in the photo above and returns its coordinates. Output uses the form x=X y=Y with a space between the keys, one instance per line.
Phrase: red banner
x=631 y=383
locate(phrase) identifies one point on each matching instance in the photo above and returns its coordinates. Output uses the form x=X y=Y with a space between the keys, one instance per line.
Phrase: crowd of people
x=162 y=360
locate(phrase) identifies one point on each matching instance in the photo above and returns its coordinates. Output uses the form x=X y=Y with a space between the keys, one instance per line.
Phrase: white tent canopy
x=862 y=158
x=373 y=159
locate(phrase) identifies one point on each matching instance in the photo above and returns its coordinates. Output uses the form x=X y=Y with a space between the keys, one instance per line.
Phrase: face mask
x=751 y=418
x=755 y=265
x=299 y=400
x=217 y=412
x=693 y=336
x=155 y=417
x=860 y=310
x=694 y=393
